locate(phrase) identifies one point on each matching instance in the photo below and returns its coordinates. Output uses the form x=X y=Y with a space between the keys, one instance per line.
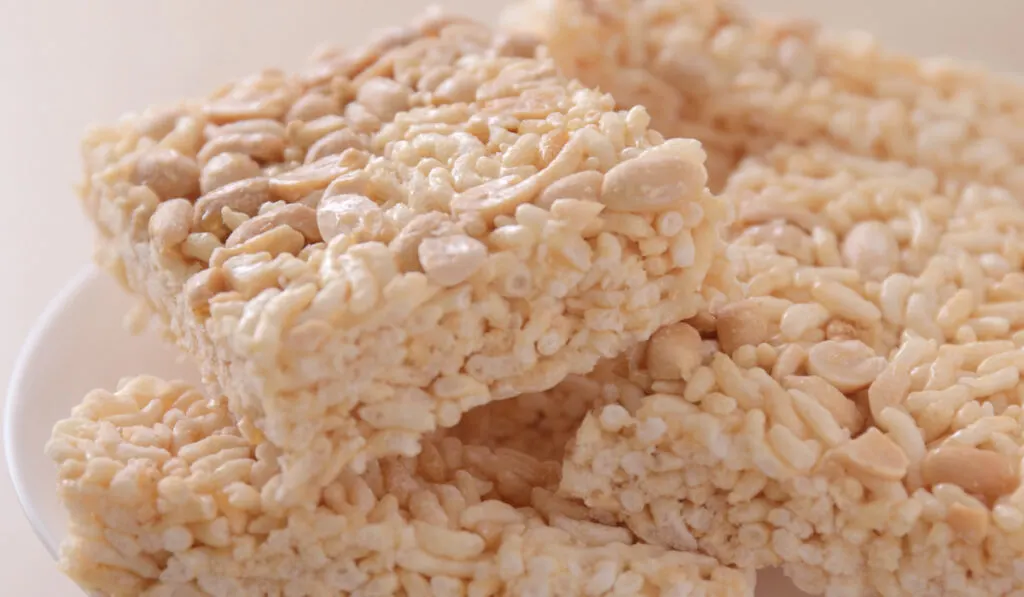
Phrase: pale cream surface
x=66 y=64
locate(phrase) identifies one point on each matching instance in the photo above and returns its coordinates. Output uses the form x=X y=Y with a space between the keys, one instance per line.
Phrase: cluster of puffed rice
x=476 y=329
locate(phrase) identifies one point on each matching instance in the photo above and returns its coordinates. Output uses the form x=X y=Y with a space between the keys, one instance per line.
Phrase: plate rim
x=14 y=403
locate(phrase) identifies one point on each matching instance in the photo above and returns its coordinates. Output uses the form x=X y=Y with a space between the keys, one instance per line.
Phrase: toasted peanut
x=354 y=159
x=801 y=318
x=361 y=119
x=580 y=215
x=158 y=124
x=980 y=472
x=296 y=216
x=460 y=87
x=312 y=106
x=871 y=249
x=232 y=109
x=186 y=137
x=789 y=360
x=226 y=168
x=294 y=184
x=384 y=97
x=704 y=322
x=849 y=365
x=353 y=183
x=344 y=214
x=233 y=219
x=406 y=245
x=311 y=200
x=201 y=246
x=969 y=523
x=168 y=174
x=304 y=134
x=277 y=240
x=170 y=224
x=875 y=454
x=674 y=352
x=890 y=387
x=740 y=324
x=244 y=196
x=259 y=126
x=652 y=182
x=449 y=260
x=500 y=196
x=203 y=286
x=433 y=79
x=258 y=146
x=582 y=185
x=843 y=409
x=334 y=143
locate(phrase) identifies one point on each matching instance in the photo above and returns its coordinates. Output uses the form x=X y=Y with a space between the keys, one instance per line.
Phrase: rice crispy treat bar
x=758 y=472
x=361 y=253
x=858 y=419
x=708 y=70
x=166 y=497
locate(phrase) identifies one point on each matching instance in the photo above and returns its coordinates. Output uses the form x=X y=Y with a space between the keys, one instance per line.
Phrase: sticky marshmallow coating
x=707 y=69
x=166 y=497
x=857 y=419
x=359 y=254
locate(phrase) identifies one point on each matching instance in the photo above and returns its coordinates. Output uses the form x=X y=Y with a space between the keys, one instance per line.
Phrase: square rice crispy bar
x=167 y=499
x=360 y=253
x=856 y=420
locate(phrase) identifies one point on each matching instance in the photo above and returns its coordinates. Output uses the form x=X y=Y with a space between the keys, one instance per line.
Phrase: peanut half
x=981 y=472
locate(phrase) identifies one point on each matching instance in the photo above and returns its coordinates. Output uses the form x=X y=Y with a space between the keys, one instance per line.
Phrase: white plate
x=80 y=344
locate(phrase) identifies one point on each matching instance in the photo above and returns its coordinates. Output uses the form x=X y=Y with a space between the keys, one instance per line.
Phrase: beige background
x=66 y=63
